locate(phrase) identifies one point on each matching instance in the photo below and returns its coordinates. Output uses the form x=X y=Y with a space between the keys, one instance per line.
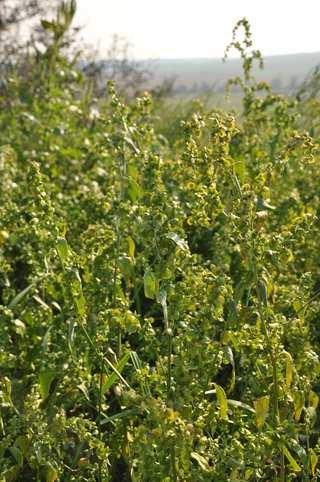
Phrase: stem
x=173 y=465
x=169 y=365
x=99 y=415
x=282 y=469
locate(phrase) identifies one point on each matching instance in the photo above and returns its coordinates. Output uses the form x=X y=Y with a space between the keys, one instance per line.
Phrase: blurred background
x=171 y=47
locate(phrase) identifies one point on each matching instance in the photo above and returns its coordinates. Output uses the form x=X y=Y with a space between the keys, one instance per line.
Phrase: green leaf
x=64 y=250
x=48 y=25
x=313 y=399
x=134 y=190
x=76 y=289
x=262 y=292
x=126 y=267
x=293 y=464
x=262 y=409
x=289 y=368
x=144 y=385
x=162 y=299
x=201 y=461
x=223 y=402
x=151 y=285
x=298 y=403
x=20 y=296
x=131 y=247
x=131 y=323
x=313 y=458
x=51 y=473
x=229 y=354
x=114 y=376
x=17 y=454
x=46 y=377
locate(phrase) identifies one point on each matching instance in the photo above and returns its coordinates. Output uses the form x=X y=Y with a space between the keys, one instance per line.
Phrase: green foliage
x=158 y=300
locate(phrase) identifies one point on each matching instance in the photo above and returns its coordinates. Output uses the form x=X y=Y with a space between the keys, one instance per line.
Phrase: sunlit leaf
x=298 y=402
x=313 y=457
x=293 y=463
x=151 y=285
x=262 y=409
x=46 y=378
x=222 y=400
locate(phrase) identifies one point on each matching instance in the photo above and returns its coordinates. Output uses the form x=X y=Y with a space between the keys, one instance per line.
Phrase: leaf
x=313 y=458
x=23 y=443
x=131 y=247
x=229 y=353
x=233 y=403
x=63 y=250
x=162 y=299
x=17 y=455
x=144 y=385
x=46 y=377
x=293 y=464
x=45 y=339
x=48 y=25
x=114 y=376
x=71 y=328
x=313 y=399
x=289 y=368
x=223 y=403
x=263 y=204
x=262 y=292
x=76 y=289
x=19 y=297
x=51 y=473
x=262 y=409
x=201 y=461
x=135 y=191
x=131 y=323
x=298 y=403
x=151 y=285
x=238 y=404
x=126 y=267
x=82 y=387
x=130 y=142
x=7 y=390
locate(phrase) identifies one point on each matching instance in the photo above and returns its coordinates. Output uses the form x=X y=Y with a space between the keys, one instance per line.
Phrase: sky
x=200 y=28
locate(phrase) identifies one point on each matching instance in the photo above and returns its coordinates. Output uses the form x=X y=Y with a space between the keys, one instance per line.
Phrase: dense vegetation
x=159 y=283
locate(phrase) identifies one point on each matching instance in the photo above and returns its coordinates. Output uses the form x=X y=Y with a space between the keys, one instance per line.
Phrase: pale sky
x=201 y=28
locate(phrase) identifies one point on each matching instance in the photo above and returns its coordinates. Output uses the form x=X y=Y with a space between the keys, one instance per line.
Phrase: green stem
x=169 y=365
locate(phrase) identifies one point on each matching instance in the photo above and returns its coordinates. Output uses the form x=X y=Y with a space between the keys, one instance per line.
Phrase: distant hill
x=284 y=72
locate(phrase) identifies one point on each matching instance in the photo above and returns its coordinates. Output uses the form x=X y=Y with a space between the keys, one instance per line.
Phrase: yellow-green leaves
x=76 y=289
x=46 y=378
x=51 y=473
x=293 y=463
x=203 y=463
x=131 y=247
x=298 y=403
x=289 y=369
x=222 y=401
x=313 y=461
x=151 y=285
x=262 y=409
x=108 y=381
